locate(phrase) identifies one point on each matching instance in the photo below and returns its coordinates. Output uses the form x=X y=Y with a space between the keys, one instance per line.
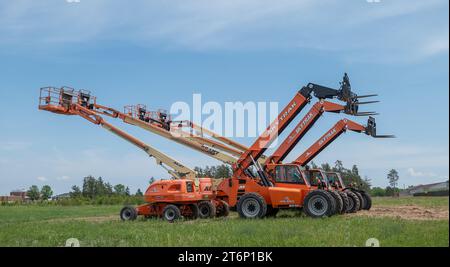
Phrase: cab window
x=333 y=179
x=189 y=187
x=288 y=174
x=313 y=177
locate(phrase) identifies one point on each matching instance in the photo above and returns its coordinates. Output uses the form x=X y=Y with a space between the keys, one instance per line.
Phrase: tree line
x=349 y=176
x=93 y=191
x=96 y=188
x=34 y=193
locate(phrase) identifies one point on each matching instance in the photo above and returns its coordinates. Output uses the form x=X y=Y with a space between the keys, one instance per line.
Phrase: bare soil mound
x=410 y=212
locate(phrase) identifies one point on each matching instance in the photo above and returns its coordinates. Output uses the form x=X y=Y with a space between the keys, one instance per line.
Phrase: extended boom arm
x=299 y=101
x=306 y=123
x=339 y=128
x=71 y=103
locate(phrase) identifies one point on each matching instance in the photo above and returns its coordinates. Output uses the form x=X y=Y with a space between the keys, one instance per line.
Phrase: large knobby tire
x=367 y=200
x=272 y=212
x=223 y=210
x=206 y=209
x=128 y=213
x=193 y=212
x=354 y=203
x=252 y=206
x=319 y=204
x=345 y=201
x=333 y=203
x=171 y=213
x=361 y=199
x=339 y=201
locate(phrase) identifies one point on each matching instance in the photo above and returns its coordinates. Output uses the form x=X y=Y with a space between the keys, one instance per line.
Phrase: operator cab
x=335 y=180
x=288 y=173
x=316 y=177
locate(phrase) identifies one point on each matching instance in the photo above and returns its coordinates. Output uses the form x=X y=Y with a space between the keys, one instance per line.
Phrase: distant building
x=61 y=196
x=19 y=193
x=15 y=196
x=430 y=189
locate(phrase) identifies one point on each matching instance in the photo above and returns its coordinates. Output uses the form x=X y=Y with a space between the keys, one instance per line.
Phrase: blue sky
x=160 y=52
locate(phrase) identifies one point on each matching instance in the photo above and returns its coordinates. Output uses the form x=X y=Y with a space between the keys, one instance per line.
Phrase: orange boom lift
x=186 y=196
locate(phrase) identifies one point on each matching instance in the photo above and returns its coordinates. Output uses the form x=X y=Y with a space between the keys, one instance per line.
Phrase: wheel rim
x=250 y=208
x=126 y=214
x=204 y=210
x=318 y=205
x=169 y=215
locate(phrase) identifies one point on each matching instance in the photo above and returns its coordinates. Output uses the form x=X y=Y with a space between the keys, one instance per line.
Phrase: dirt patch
x=410 y=212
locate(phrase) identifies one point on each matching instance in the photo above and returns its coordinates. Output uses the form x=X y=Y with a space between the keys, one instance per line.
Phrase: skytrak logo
x=327 y=136
x=282 y=118
x=301 y=126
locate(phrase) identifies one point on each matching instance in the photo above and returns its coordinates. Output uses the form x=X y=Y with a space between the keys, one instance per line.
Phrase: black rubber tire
x=194 y=214
x=354 y=202
x=252 y=206
x=223 y=210
x=345 y=201
x=206 y=209
x=171 y=213
x=361 y=199
x=128 y=213
x=339 y=201
x=272 y=212
x=333 y=202
x=318 y=204
x=367 y=200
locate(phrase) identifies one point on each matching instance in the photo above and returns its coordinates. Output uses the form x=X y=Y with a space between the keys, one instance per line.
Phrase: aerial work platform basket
x=60 y=100
x=159 y=116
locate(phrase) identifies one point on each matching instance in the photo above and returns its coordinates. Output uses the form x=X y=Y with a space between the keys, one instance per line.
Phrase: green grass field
x=428 y=202
x=99 y=226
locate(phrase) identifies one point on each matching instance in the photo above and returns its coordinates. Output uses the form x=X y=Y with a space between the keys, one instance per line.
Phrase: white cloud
x=436 y=46
x=42 y=178
x=389 y=30
x=63 y=178
x=414 y=173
